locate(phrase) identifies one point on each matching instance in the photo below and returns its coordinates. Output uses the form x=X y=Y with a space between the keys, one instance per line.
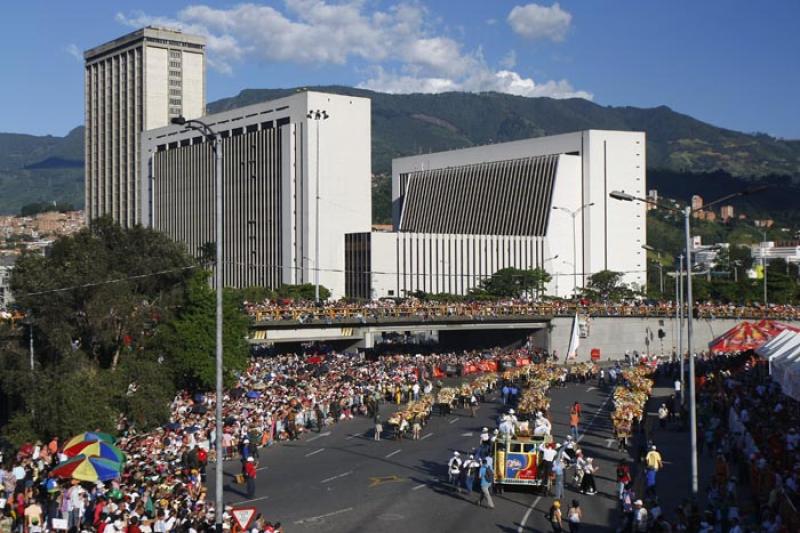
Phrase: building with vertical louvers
x=272 y=156
x=459 y=216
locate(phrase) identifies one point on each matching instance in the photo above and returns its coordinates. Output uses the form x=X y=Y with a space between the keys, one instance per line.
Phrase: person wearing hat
x=250 y=473
x=640 y=517
x=454 y=469
x=653 y=463
x=554 y=517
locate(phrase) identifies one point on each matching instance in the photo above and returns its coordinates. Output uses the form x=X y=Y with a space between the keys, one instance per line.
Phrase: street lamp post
x=317 y=115
x=679 y=282
x=544 y=262
x=216 y=143
x=687 y=216
x=574 y=213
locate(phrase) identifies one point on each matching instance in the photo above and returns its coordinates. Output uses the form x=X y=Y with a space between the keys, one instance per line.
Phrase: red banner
x=437 y=373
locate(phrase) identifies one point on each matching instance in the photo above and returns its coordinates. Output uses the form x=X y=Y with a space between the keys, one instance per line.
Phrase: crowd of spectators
x=415 y=309
x=162 y=487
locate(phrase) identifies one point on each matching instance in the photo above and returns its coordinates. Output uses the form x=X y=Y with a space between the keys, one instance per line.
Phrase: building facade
x=6 y=268
x=132 y=84
x=459 y=216
x=280 y=168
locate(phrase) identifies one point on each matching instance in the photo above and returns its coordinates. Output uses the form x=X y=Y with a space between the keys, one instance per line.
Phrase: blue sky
x=734 y=63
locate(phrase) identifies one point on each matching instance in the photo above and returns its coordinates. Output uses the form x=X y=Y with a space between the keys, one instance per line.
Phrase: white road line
x=599 y=410
x=426 y=436
x=320 y=517
x=312 y=439
x=393 y=453
x=420 y=486
x=336 y=477
x=453 y=421
x=315 y=452
x=254 y=500
x=521 y=527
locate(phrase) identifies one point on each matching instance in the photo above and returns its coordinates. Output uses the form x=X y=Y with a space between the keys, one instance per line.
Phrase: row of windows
x=175 y=54
x=175 y=92
x=174 y=73
x=174 y=64
x=175 y=83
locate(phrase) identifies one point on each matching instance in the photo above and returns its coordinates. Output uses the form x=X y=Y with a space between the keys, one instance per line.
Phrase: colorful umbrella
x=90 y=436
x=97 y=448
x=85 y=468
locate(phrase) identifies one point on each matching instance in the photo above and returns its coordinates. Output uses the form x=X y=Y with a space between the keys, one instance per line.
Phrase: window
x=175 y=92
x=175 y=101
x=174 y=64
x=175 y=73
x=175 y=54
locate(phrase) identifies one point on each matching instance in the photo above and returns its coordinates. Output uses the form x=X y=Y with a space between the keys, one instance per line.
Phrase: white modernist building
x=135 y=83
x=459 y=216
x=274 y=158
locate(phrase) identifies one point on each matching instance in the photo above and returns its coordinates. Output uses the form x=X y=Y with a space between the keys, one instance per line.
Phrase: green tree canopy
x=608 y=285
x=514 y=282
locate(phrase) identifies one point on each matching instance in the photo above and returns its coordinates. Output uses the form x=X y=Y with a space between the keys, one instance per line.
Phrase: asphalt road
x=342 y=480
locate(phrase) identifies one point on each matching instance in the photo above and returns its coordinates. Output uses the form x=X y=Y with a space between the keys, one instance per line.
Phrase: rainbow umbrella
x=97 y=448
x=85 y=468
x=90 y=436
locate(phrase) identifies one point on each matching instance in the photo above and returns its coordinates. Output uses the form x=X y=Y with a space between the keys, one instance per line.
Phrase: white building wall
x=194 y=90
x=592 y=164
x=157 y=94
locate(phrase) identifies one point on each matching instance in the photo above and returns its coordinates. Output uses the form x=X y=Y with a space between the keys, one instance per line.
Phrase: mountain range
x=48 y=168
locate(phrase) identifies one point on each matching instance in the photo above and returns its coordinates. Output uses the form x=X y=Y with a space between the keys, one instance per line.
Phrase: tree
x=188 y=342
x=100 y=291
x=305 y=291
x=514 y=282
x=607 y=285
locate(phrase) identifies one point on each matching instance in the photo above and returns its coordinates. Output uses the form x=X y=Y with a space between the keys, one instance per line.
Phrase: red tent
x=746 y=336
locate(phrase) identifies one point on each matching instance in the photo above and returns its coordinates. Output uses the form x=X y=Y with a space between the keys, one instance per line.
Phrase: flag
x=574 y=340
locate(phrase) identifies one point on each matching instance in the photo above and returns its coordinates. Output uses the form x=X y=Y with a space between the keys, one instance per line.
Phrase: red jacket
x=250 y=469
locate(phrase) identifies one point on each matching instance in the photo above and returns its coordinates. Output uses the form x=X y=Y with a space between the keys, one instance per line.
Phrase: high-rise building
x=132 y=84
x=293 y=187
x=697 y=201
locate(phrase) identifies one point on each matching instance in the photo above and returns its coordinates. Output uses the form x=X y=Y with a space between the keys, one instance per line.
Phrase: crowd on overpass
x=423 y=310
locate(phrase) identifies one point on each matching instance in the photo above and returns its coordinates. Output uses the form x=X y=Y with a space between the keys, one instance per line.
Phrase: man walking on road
x=250 y=476
x=454 y=470
x=653 y=464
x=486 y=476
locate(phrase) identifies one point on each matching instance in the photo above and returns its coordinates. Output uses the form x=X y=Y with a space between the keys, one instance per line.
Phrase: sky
x=733 y=63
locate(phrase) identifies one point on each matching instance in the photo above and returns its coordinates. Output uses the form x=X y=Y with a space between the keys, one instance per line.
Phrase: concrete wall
x=615 y=335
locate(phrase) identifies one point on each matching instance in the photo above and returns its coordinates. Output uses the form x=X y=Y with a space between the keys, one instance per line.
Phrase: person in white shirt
x=548 y=456
x=454 y=469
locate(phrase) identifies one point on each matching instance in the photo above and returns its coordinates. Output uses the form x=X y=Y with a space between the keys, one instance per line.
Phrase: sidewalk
x=674 y=480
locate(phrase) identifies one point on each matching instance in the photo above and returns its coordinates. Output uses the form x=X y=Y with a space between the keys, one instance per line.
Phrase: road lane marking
x=521 y=527
x=453 y=421
x=312 y=439
x=393 y=453
x=610 y=442
x=253 y=500
x=315 y=452
x=466 y=434
x=591 y=389
x=336 y=477
x=426 y=436
x=594 y=417
x=322 y=516
x=420 y=486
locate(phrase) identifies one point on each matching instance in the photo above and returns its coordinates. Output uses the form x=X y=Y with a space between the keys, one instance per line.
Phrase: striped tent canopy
x=748 y=336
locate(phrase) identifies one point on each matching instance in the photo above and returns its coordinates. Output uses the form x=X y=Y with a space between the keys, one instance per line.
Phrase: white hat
x=456 y=454
x=485 y=430
x=511 y=411
x=638 y=502
x=250 y=459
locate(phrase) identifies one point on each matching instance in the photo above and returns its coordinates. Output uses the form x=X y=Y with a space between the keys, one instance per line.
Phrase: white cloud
x=533 y=21
x=73 y=50
x=402 y=45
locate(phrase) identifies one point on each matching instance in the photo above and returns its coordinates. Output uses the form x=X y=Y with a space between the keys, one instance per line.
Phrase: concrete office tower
x=271 y=152
x=459 y=216
x=135 y=83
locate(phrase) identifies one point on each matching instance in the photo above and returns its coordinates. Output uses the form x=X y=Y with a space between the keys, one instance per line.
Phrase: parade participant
x=663 y=414
x=454 y=469
x=587 y=483
x=640 y=517
x=250 y=473
x=548 y=456
x=554 y=517
x=574 y=419
x=486 y=476
x=574 y=516
x=469 y=469
x=416 y=429
x=558 y=482
x=623 y=476
x=653 y=464
x=378 y=427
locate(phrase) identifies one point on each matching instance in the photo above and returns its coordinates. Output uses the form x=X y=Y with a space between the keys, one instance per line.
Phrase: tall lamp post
x=216 y=144
x=317 y=115
x=544 y=262
x=687 y=216
x=574 y=214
